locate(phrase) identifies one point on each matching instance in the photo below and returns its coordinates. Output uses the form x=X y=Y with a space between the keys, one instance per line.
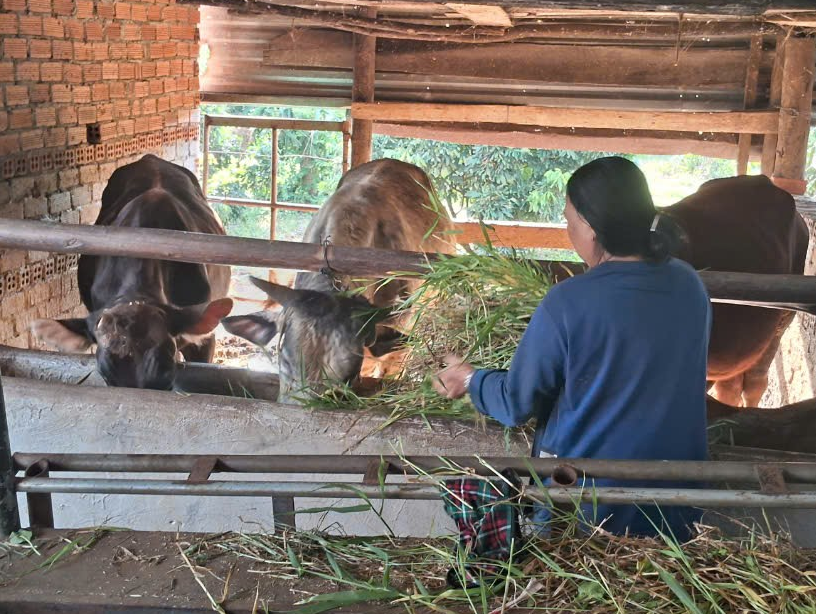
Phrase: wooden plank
x=280 y=123
x=749 y=99
x=750 y=122
x=636 y=142
x=795 y=110
x=698 y=68
x=769 y=141
x=514 y=234
x=365 y=48
x=483 y=15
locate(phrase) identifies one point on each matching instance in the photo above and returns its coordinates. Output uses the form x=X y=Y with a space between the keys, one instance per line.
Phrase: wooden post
x=749 y=100
x=363 y=91
x=794 y=114
x=771 y=139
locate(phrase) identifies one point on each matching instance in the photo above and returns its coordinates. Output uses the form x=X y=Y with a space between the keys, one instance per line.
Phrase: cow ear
x=385 y=340
x=70 y=335
x=201 y=319
x=259 y=327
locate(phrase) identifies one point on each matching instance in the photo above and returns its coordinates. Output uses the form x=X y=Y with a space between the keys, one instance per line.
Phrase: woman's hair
x=612 y=195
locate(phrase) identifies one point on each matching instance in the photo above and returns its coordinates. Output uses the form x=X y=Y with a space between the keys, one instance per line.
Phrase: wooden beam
x=774 y=97
x=514 y=234
x=750 y=122
x=749 y=100
x=795 y=111
x=365 y=48
x=722 y=145
x=483 y=15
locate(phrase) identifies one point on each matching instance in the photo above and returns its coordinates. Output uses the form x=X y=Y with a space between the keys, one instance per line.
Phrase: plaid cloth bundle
x=486 y=513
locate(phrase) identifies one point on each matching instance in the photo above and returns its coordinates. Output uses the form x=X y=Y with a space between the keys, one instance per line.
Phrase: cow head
x=322 y=336
x=136 y=341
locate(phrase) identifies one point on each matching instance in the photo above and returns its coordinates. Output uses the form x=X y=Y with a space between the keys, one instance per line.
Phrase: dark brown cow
x=141 y=312
x=384 y=204
x=743 y=224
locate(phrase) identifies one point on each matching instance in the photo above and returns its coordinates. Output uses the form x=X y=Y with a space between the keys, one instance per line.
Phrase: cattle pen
x=90 y=85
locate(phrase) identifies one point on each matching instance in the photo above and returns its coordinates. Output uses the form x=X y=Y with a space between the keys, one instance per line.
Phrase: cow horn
x=278 y=293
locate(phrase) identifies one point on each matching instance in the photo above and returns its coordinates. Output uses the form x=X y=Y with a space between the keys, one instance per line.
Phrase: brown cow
x=142 y=312
x=743 y=224
x=384 y=204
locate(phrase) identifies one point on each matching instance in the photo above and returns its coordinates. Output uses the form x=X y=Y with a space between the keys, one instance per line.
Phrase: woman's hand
x=451 y=382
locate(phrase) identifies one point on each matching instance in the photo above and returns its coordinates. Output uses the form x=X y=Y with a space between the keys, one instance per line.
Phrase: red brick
x=135 y=51
x=127 y=127
x=118 y=51
x=9 y=144
x=75 y=29
x=113 y=31
x=72 y=73
x=21 y=118
x=100 y=92
x=156 y=87
x=110 y=70
x=6 y=72
x=140 y=89
x=61 y=93
x=92 y=72
x=45 y=116
x=168 y=13
x=177 y=101
x=86 y=115
x=138 y=12
x=31 y=25
x=127 y=71
x=93 y=31
x=163 y=104
x=13 y=5
x=169 y=85
x=105 y=11
x=82 y=51
x=136 y=109
x=84 y=9
x=162 y=32
x=9 y=24
x=16 y=95
x=117 y=89
x=149 y=106
x=193 y=14
x=104 y=112
x=156 y=122
x=32 y=140
x=122 y=10
x=15 y=48
x=62 y=50
x=51 y=71
x=56 y=137
x=63 y=7
x=148 y=70
x=53 y=27
x=141 y=125
x=121 y=108
x=40 y=93
x=162 y=68
x=67 y=115
x=82 y=94
x=149 y=32
x=177 y=67
x=28 y=71
x=131 y=32
x=108 y=131
x=40 y=48
x=39 y=6
x=100 y=52
x=3 y=127
x=76 y=135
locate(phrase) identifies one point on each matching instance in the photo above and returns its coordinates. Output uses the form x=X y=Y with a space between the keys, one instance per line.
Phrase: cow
x=141 y=313
x=742 y=224
x=325 y=332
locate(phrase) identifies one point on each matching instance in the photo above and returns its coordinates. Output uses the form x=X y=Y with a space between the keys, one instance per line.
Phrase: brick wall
x=127 y=69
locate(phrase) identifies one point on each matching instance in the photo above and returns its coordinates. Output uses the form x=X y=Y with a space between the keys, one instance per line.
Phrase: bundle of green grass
x=475 y=305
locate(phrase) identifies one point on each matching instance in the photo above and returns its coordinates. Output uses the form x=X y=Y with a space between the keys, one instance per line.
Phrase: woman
x=613 y=362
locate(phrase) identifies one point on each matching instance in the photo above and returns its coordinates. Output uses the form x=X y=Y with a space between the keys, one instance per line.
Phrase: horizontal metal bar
x=731 y=471
x=660 y=496
x=278 y=123
x=247 y=202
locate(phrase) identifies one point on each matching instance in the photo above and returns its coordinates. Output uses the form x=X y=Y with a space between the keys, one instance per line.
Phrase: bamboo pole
x=362 y=130
x=774 y=97
x=794 y=114
x=749 y=100
x=780 y=291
